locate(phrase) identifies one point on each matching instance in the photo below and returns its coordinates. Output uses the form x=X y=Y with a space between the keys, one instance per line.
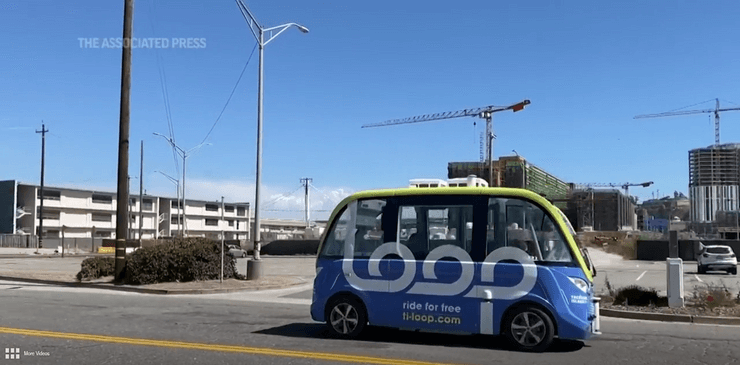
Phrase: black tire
x=701 y=269
x=528 y=328
x=346 y=317
x=732 y=271
x=244 y=255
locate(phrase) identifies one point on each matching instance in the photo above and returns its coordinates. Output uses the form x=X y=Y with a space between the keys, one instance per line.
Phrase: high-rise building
x=714 y=181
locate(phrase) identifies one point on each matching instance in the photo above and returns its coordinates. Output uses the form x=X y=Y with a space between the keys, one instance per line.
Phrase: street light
x=184 y=154
x=177 y=185
x=259 y=34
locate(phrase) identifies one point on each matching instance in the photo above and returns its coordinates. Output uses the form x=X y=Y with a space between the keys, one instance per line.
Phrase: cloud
x=276 y=202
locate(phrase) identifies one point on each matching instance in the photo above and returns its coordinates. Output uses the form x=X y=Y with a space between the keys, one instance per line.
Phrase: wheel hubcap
x=344 y=318
x=528 y=329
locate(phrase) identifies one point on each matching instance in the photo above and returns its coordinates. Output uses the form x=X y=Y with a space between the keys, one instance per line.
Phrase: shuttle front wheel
x=529 y=329
x=346 y=317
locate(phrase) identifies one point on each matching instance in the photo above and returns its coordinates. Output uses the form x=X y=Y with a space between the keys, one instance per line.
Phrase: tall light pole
x=184 y=154
x=254 y=269
x=177 y=185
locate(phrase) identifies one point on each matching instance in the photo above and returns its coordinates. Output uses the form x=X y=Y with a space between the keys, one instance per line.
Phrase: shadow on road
x=389 y=335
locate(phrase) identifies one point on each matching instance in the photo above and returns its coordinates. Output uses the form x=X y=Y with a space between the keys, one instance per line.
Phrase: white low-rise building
x=78 y=213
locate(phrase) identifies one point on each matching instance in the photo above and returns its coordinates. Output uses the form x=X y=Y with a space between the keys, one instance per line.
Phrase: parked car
x=236 y=251
x=717 y=257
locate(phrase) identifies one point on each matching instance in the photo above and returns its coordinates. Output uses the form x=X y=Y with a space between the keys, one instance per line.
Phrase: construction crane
x=716 y=111
x=485 y=112
x=625 y=186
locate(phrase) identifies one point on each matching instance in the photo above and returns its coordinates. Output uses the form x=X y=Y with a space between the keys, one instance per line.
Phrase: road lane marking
x=215 y=347
x=697 y=278
x=641 y=275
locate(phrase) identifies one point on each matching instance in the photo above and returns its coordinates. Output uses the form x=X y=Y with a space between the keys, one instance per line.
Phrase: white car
x=236 y=251
x=717 y=257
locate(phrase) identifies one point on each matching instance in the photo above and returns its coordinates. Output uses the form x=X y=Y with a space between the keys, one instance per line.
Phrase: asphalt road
x=88 y=326
x=652 y=274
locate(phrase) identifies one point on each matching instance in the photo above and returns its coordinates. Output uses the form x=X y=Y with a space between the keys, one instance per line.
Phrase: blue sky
x=587 y=67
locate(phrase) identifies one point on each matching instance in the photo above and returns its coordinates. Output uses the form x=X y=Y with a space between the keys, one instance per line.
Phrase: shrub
x=639 y=296
x=182 y=259
x=712 y=297
x=96 y=267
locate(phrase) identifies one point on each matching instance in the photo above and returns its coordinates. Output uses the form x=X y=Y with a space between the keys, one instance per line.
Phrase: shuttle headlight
x=580 y=283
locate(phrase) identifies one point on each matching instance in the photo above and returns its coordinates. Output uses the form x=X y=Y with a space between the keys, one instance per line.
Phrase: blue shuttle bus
x=463 y=260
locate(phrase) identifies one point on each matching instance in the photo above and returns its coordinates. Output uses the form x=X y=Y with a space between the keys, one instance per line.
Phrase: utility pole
x=43 y=132
x=141 y=191
x=123 y=140
x=306 y=181
x=221 y=278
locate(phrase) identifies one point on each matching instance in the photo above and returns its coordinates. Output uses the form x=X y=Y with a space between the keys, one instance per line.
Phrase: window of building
x=47 y=214
x=102 y=234
x=211 y=208
x=176 y=204
x=211 y=222
x=102 y=199
x=132 y=201
x=241 y=211
x=231 y=223
x=174 y=219
x=101 y=217
x=51 y=234
x=50 y=194
x=148 y=204
x=229 y=209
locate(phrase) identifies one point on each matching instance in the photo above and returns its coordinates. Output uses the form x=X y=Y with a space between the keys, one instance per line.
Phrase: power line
x=232 y=93
x=282 y=196
x=165 y=92
x=325 y=194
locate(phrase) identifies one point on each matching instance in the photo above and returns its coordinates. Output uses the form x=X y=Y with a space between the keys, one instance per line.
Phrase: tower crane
x=625 y=186
x=716 y=111
x=485 y=112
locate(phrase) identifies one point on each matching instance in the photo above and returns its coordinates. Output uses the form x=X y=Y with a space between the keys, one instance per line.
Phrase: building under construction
x=514 y=172
x=601 y=210
x=714 y=178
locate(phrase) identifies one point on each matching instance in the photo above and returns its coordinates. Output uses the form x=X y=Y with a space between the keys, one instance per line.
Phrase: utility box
x=674 y=271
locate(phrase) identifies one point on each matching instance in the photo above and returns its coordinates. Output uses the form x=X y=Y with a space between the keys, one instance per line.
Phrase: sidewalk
x=48 y=267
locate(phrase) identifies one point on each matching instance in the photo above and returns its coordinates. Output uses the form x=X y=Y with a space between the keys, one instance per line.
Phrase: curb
x=129 y=288
x=683 y=318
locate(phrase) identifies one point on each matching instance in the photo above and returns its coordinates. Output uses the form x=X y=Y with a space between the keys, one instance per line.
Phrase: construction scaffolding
x=515 y=172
